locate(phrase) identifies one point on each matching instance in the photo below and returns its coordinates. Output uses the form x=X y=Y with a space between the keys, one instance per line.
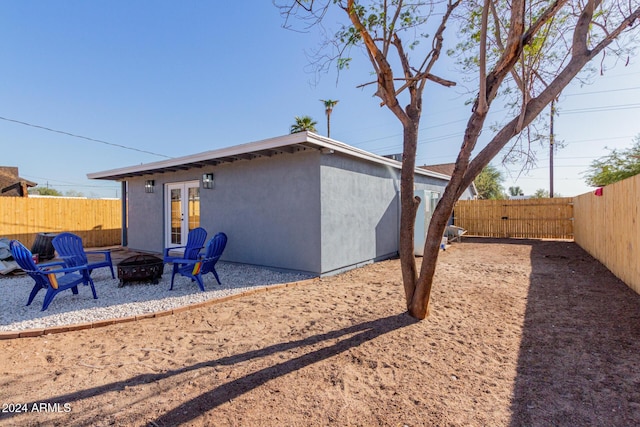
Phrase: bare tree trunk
x=408 y=208
x=419 y=306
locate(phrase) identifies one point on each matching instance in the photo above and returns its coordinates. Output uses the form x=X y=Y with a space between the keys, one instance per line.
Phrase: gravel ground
x=130 y=300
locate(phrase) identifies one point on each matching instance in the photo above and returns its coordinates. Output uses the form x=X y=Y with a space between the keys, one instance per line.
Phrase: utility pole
x=551 y=143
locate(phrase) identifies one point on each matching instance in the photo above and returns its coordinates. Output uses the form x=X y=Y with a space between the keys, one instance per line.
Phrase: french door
x=182 y=211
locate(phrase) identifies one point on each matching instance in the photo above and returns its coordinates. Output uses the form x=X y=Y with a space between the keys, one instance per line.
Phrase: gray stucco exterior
x=312 y=209
x=269 y=209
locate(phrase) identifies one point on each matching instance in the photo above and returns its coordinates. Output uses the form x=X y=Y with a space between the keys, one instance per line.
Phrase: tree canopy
x=541 y=193
x=489 y=183
x=616 y=166
x=45 y=191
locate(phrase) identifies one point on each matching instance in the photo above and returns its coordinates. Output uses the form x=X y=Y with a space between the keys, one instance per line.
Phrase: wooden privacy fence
x=608 y=227
x=98 y=222
x=530 y=218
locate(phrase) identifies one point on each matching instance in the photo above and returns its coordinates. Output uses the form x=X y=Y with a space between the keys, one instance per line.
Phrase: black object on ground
x=140 y=268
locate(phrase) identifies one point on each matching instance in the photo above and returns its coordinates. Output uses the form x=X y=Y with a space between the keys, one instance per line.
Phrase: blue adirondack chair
x=195 y=242
x=53 y=280
x=70 y=249
x=206 y=263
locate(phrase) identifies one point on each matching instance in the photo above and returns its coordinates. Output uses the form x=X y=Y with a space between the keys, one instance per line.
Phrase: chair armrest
x=166 y=250
x=72 y=261
x=50 y=264
x=185 y=261
x=66 y=269
x=199 y=249
x=105 y=253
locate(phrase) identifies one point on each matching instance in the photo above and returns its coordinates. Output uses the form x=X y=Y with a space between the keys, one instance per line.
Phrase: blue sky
x=178 y=78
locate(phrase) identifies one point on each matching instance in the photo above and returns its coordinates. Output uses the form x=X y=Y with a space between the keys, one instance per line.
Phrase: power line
x=46 y=179
x=601 y=109
x=85 y=137
x=598 y=139
x=420 y=130
x=572 y=111
x=60 y=183
x=602 y=91
x=111 y=187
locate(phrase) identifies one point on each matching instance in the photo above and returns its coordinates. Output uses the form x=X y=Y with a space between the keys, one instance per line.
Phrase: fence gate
x=530 y=218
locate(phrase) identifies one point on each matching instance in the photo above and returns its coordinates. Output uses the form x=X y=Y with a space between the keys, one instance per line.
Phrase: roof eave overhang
x=292 y=143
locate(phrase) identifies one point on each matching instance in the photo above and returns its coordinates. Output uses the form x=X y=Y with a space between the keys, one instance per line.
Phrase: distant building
x=11 y=185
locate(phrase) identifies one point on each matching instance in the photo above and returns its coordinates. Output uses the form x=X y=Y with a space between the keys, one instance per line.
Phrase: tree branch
x=388 y=37
x=386 y=88
x=438 y=38
x=404 y=59
x=435 y=79
x=483 y=107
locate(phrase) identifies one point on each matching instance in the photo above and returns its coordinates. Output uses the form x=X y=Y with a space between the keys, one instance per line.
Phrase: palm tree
x=328 y=108
x=303 y=123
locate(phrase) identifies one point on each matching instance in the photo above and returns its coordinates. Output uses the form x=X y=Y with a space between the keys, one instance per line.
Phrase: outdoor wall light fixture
x=207 y=180
x=148 y=186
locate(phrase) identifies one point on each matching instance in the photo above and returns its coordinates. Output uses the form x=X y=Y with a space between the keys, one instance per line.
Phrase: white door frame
x=176 y=230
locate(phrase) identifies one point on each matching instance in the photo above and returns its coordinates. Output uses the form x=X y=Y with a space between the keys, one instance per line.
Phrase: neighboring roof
x=11 y=184
x=447 y=169
x=443 y=168
x=292 y=143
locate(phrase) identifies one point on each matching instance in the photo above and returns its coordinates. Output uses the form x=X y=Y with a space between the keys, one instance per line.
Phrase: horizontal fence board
x=531 y=218
x=97 y=221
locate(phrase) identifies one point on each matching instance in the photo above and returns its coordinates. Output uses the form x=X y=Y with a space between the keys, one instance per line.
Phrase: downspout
x=123 y=196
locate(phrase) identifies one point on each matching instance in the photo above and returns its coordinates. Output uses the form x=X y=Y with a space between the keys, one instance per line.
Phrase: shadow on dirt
x=578 y=360
x=316 y=348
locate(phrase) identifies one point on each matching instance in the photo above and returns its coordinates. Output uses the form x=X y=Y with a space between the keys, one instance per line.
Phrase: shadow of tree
x=341 y=340
x=577 y=363
x=359 y=334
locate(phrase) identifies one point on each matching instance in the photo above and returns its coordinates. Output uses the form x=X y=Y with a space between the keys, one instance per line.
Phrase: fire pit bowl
x=140 y=268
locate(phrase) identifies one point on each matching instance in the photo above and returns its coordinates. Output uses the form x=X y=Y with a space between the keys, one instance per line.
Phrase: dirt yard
x=521 y=333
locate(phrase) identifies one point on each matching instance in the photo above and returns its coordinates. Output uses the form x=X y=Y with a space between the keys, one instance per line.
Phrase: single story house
x=297 y=202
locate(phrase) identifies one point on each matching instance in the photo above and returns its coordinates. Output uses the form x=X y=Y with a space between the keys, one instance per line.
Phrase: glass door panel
x=193 y=207
x=182 y=206
x=176 y=216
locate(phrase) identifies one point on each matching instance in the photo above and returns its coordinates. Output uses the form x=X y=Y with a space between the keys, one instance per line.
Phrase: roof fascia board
x=266 y=144
x=356 y=152
x=203 y=157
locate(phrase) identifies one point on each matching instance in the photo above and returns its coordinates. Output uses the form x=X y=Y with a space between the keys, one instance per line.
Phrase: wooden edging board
x=27 y=333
